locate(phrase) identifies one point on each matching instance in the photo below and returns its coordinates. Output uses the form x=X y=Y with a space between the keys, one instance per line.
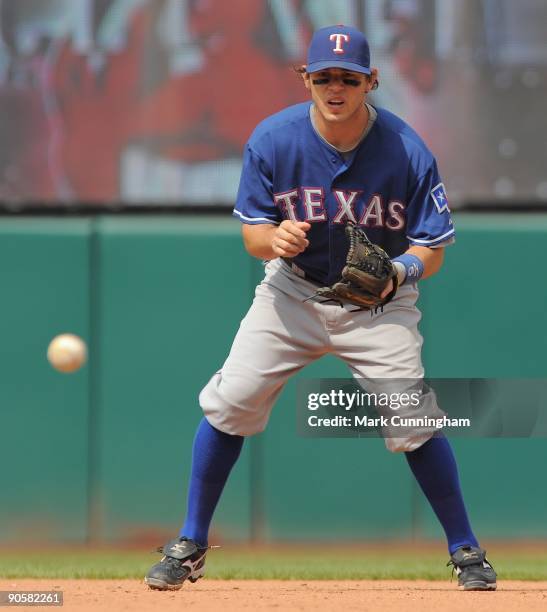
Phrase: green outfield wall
x=104 y=454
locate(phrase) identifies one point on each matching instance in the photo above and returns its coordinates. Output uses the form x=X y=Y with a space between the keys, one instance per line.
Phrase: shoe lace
x=455 y=565
x=159 y=549
x=172 y=562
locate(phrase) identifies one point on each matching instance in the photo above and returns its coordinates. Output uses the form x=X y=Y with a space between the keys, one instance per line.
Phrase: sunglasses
x=325 y=80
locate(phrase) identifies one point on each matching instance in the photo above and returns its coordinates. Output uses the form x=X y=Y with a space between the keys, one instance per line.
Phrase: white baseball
x=67 y=352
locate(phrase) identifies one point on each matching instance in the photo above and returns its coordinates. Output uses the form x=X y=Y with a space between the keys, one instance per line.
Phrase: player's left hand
x=368 y=280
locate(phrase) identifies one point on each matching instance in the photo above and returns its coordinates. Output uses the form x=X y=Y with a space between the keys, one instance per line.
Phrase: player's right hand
x=289 y=238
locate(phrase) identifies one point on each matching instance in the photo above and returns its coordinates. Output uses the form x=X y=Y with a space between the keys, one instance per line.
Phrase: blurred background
x=122 y=125
x=146 y=102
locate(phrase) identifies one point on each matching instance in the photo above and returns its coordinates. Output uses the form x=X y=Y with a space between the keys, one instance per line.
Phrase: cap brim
x=317 y=66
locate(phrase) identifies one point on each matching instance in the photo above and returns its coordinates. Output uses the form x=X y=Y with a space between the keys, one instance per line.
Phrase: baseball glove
x=366 y=274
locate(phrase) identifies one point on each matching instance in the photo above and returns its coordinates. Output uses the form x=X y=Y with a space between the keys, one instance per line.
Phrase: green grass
x=298 y=564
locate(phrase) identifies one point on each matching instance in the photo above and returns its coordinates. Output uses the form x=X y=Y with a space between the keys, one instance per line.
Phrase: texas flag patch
x=438 y=194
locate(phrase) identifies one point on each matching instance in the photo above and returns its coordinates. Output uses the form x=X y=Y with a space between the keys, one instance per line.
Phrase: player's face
x=338 y=94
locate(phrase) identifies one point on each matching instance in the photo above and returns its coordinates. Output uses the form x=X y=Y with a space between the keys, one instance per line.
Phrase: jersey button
x=334 y=160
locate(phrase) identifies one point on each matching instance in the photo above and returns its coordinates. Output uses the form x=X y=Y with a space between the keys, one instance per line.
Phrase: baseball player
x=308 y=171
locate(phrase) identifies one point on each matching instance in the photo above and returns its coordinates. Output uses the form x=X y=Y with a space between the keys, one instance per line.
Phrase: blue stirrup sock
x=434 y=467
x=213 y=455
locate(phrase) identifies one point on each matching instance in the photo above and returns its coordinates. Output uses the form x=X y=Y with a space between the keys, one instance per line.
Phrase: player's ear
x=306 y=79
x=373 y=81
x=301 y=72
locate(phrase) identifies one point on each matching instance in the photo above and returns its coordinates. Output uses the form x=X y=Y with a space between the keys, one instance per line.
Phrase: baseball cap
x=339 y=46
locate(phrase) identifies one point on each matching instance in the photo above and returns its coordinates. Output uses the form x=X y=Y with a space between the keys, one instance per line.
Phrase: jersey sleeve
x=429 y=222
x=255 y=202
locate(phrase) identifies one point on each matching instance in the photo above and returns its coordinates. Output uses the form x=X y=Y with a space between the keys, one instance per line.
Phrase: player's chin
x=337 y=115
x=336 y=109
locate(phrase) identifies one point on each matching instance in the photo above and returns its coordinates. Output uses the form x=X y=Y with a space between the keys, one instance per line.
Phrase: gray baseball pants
x=281 y=334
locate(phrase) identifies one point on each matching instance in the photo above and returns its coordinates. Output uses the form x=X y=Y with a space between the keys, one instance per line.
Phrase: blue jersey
x=389 y=185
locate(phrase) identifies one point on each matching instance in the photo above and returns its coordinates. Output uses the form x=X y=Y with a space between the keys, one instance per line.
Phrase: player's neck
x=344 y=135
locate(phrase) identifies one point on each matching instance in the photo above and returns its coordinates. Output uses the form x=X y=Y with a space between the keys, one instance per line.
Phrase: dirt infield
x=231 y=595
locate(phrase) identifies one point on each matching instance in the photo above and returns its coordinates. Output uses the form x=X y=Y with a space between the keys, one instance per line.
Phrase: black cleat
x=183 y=560
x=473 y=570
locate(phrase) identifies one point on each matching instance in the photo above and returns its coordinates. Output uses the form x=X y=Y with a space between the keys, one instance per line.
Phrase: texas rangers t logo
x=339 y=38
